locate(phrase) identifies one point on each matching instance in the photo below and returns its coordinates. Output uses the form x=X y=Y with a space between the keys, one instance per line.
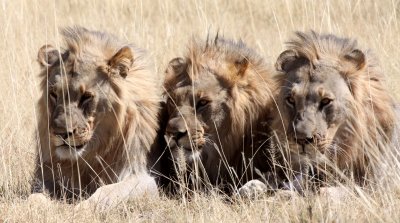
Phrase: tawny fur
x=371 y=117
x=122 y=142
x=246 y=79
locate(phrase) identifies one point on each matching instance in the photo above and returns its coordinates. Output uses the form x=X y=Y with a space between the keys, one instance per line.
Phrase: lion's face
x=72 y=106
x=79 y=98
x=315 y=102
x=197 y=109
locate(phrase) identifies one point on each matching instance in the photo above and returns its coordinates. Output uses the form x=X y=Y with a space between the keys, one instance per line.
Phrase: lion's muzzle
x=70 y=129
x=185 y=133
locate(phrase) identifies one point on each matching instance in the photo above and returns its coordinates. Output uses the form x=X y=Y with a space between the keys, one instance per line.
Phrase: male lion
x=336 y=112
x=218 y=98
x=97 y=119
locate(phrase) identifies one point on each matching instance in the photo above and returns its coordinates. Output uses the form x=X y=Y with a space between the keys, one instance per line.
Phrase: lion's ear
x=122 y=61
x=48 y=55
x=289 y=60
x=176 y=66
x=241 y=66
x=175 y=72
x=356 y=59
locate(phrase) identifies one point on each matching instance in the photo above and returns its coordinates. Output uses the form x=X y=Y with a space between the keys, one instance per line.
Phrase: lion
x=335 y=112
x=218 y=101
x=97 y=119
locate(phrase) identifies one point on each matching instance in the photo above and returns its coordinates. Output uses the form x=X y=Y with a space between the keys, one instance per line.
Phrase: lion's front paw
x=105 y=198
x=109 y=196
x=39 y=198
x=334 y=194
x=252 y=189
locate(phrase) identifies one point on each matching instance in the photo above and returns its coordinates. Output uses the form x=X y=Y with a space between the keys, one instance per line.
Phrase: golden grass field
x=163 y=28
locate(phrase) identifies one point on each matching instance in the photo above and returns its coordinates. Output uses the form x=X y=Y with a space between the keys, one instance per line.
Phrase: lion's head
x=333 y=101
x=98 y=109
x=78 y=98
x=216 y=96
x=79 y=94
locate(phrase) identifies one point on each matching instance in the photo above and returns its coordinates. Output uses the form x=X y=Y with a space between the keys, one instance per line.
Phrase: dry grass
x=163 y=27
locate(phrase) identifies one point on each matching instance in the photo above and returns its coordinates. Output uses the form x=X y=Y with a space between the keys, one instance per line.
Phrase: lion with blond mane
x=219 y=98
x=334 y=109
x=97 y=119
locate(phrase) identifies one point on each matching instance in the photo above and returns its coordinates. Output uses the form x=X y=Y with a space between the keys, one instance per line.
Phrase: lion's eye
x=202 y=103
x=290 y=100
x=324 y=102
x=86 y=98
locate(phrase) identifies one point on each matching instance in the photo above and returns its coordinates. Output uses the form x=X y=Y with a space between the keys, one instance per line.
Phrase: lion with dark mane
x=219 y=98
x=97 y=119
x=335 y=111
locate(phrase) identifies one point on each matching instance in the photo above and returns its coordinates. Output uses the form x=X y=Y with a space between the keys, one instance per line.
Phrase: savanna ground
x=163 y=28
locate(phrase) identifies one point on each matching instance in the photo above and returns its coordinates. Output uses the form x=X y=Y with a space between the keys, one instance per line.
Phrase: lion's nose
x=65 y=124
x=179 y=135
x=67 y=134
x=176 y=128
x=305 y=141
x=304 y=132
